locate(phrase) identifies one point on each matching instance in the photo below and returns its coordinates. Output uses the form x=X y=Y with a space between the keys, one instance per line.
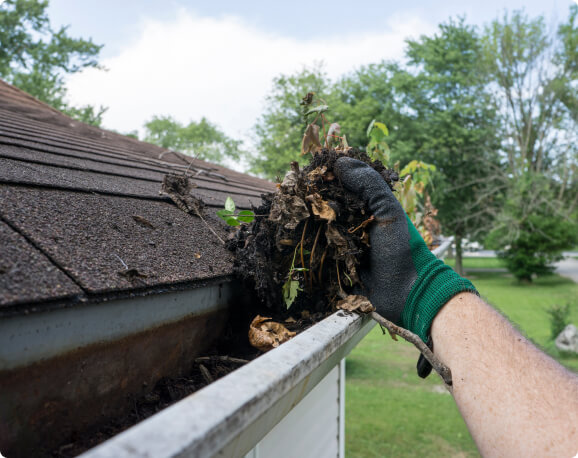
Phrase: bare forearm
x=516 y=400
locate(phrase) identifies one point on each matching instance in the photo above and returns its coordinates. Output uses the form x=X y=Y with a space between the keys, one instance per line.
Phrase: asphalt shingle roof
x=81 y=217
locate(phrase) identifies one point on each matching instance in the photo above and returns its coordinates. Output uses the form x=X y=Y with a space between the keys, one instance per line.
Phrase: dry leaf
x=332 y=133
x=329 y=176
x=321 y=207
x=288 y=211
x=310 y=143
x=198 y=255
x=356 y=303
x=351 y=265
x=290 y=182
x=317 y=173
x=266 y=335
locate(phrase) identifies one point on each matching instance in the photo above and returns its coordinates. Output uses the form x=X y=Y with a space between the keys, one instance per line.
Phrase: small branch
x=210 y=228
x=206 y=374
x=301 y=249
x=225 y=359
x=311 y=276
x=443 y=370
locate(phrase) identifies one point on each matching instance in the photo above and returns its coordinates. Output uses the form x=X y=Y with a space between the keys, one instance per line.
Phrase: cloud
x=220 y=68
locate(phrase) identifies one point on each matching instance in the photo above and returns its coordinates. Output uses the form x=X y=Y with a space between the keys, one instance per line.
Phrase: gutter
x=228 y=417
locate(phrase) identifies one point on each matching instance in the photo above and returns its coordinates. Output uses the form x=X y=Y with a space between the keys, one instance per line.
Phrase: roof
x=81 y=217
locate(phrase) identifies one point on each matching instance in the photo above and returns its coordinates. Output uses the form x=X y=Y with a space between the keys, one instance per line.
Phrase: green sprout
x=291 y=287
x=228 y=215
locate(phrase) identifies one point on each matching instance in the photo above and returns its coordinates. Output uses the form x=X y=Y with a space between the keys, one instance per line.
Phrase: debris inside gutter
x=302 y=252
x=299 y=261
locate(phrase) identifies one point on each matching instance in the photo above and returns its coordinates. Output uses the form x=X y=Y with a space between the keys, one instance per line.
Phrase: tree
x=35 y=57
x=535 y=76
x=438 y=110
x=450 y=122
x=280 y=128
x=202 y=140
x=535 y=236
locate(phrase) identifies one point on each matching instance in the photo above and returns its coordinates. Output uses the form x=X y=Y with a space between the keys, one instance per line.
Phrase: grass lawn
x=392 y=412
x=478 y=263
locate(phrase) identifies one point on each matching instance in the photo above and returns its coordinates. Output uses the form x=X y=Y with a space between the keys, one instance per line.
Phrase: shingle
x=30 y=173
x=127 y=169
x=92 y=237
x=27 y=275
x=86 y=201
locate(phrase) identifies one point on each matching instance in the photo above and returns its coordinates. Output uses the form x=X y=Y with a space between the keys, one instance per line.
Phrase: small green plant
x=559 y=315
x=292 y=287
x=228 y=215
x=415 y=176
x=377 y=148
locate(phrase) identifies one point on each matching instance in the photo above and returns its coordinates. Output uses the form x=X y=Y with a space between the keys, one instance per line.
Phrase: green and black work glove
x=404 y=281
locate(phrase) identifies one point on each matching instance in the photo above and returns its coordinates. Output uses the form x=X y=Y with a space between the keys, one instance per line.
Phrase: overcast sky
x=217 y=59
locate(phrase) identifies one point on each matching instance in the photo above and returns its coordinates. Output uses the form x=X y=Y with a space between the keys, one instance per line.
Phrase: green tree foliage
x=280 y=129
x=530 y=232
x=535 y=75
x=35 y=57
x=364 y=95
x=451 y=122
x=201 y=139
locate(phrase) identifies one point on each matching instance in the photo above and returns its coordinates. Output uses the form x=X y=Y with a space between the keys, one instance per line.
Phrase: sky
x=217 y=59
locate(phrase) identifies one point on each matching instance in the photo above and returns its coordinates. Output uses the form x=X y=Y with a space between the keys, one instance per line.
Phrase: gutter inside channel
x=228 y=417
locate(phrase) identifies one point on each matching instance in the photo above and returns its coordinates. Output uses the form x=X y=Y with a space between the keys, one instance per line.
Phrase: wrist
x=430 y=292
x=435 y=285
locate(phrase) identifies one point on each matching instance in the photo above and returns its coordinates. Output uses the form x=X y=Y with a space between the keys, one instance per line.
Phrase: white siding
x=312 y=428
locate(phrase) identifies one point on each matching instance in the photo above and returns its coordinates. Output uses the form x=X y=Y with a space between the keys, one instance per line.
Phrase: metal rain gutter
x=228 y=417
x=68 y=369
x=27 y=339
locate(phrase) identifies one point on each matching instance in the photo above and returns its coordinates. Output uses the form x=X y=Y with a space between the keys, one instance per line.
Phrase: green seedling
x=291 y=288
x=228 y=214
x=377 y=147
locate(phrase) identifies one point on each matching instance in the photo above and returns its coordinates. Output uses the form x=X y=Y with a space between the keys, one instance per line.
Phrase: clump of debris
x=303 y=250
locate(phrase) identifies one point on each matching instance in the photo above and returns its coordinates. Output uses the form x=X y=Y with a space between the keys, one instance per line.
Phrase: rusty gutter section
x=71 y=370
x=27 y=339
x=230 y=416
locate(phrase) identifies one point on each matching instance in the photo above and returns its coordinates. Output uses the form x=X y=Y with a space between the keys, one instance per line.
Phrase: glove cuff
x=436 y=284
x=430 y=292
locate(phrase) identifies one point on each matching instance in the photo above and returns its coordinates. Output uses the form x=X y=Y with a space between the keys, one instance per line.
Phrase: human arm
x=515 y=399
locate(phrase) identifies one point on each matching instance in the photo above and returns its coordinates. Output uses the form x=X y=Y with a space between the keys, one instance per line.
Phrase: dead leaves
x=356 y=303
x=321 y=207
x=266 y=335
x=310 y=142
x=289 y=211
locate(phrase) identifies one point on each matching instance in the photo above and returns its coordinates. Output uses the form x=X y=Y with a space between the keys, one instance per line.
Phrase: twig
x=321 y=264
x=338 y=277
x=311 y=257
x=301 y=249
x=226 y=359
x=363 y=224
x=443 y=370
x=210 y=228
x=206 y=374
x=122 y=262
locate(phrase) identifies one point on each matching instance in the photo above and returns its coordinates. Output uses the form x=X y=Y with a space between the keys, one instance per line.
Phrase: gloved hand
x=404 y=281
